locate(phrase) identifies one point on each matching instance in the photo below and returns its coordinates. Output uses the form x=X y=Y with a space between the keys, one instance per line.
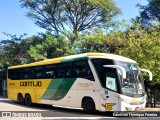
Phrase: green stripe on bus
x=52 y=88
x=75 y=59
x=58 y=88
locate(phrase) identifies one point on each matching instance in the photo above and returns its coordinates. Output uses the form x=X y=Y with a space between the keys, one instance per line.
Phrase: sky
x=128 y=8
x=14 y=21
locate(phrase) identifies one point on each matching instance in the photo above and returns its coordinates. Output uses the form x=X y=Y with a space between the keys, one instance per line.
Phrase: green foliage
x=142 y=45
x=149 y=14
x=11 y=52
x=14 y=50
x=64 y=16
x=94 y=41
x=51 y=48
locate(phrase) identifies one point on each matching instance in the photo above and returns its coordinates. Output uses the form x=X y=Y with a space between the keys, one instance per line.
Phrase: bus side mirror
x=121 y=69
x=149 y=72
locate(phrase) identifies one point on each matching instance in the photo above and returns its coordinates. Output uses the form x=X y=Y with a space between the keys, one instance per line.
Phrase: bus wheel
x=28 y=100
x=89 y=106
x=20 y=99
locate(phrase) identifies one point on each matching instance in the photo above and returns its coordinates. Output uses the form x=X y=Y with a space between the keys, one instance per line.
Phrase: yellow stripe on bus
x=48 y=61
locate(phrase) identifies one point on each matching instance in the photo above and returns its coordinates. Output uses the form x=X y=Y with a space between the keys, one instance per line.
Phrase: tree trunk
x=155 y=94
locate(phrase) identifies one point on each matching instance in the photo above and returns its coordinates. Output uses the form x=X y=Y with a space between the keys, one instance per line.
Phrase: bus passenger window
x=12 y=74
x=68 y=73
x=64 y=70
x=19 y=74
x=68 y=70
x=50 y=71
x=89 y=75
x=111 y=81
x=60 y=71
x=38 y=72
x=27 y=73
x=82 y=70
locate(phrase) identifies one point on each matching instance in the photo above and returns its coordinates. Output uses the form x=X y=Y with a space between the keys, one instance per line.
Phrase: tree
x=61 y=16
x=50 y=47
x=150 y=14
x=93 y=41
x=142 y=45
x=11 y=51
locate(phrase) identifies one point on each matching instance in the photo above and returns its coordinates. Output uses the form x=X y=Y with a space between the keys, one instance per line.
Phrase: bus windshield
x=133 y=83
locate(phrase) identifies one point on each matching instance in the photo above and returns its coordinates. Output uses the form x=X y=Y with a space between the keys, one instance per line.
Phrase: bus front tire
x=28 y=100
x=20 y=99
x=89 y=106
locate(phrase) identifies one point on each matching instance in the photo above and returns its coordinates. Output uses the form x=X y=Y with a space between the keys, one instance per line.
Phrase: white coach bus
x=92 y=81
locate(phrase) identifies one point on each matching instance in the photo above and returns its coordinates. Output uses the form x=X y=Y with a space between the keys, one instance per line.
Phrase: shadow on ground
x=50 y=108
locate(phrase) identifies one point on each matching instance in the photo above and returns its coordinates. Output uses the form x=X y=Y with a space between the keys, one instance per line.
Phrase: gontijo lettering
x=31 y=83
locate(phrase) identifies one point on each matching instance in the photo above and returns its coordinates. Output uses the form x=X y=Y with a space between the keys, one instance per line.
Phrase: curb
x=151 y=109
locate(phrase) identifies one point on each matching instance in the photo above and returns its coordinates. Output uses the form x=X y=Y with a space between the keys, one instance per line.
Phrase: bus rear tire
x=28 y=100
x=20 y=99
x=89 y=106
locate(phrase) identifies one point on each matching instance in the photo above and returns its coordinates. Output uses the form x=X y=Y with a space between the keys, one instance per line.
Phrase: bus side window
x=64 y=70
x=82 y=70
x=111 y=81
x=19 y=74
x=88 y=74
x=27 y=73
x=60 y=71
x=79 y=67
x=12 y=74
x=68 y=70
x=50 y=71
x=98 y=65
x=38 y=72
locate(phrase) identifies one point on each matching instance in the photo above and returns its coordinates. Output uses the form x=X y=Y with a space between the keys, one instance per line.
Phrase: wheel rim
x=20 y=99
x=90 y=106
x=27 y=100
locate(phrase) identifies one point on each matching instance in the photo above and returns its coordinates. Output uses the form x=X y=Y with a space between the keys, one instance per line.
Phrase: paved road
x=47 y=112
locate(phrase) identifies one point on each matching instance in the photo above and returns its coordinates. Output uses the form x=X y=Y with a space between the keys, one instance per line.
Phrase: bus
x=88 y=81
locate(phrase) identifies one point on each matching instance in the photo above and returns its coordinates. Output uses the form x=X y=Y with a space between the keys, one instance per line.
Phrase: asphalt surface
x=12 y=110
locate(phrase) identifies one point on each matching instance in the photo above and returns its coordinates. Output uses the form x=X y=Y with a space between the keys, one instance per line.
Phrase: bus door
x=110 y=95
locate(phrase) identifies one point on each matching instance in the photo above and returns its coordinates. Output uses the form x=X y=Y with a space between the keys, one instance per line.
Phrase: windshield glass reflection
x=132 y=83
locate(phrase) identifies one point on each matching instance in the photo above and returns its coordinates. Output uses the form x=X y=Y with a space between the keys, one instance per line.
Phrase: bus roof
x=77 y=57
